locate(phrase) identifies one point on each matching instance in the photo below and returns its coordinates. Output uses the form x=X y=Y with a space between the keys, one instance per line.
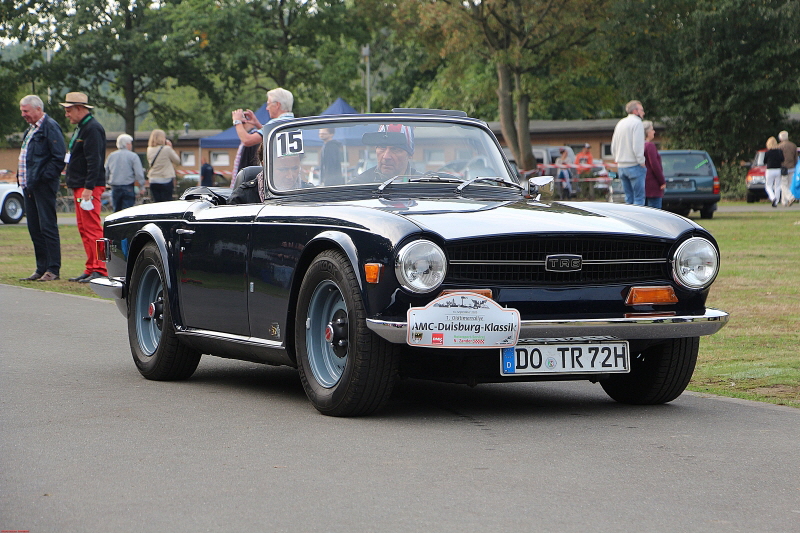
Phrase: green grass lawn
x=756 y=356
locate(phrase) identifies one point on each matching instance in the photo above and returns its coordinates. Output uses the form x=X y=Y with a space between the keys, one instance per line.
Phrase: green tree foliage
x=121 y=54
x=720 y=73
x=523 y=41
x=309 y=48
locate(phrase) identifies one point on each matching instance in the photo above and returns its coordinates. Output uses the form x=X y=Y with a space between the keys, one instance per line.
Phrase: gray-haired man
x=124 y=171
x=41 y=160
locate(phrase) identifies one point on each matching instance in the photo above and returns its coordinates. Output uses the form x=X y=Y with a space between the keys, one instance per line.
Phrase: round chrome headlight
x=696 y=263
x=420 y=266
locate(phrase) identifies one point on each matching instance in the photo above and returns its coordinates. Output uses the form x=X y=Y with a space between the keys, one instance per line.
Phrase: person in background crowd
x=773 y=159
x=125 y=173
x=627 y=147
x=248 y=127
x=654 y=182
x=161 y=175
x=41 y=160
x=584 y=157
x=564 y=174
x=789 y=150
x=585 y=174
x=206 y=174
x=86 y=176
x=330 y=167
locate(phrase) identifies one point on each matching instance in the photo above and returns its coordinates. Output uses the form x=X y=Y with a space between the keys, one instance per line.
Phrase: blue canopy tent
x=339 y=107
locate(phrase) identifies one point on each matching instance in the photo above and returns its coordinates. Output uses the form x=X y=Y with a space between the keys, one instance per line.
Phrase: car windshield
x=358 y=152
x=686 y=164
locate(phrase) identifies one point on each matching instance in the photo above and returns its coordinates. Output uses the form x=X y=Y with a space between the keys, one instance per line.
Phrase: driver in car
x=394 y=146
x=287 y=174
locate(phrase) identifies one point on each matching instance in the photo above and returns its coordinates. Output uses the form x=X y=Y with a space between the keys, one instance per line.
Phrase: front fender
x=153 y=233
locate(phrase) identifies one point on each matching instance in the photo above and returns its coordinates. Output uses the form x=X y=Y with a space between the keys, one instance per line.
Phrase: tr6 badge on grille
x=563 y=263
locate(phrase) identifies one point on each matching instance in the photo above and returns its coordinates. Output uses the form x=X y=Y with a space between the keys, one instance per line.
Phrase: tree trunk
x=130 y=105
x=525 y=159
x=505 y=105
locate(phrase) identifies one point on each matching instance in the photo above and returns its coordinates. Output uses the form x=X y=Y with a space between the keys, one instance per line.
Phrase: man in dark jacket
x=41 y=160
x=86 y=177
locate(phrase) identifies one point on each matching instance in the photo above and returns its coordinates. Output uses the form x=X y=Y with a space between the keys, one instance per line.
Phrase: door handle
x=184 y=231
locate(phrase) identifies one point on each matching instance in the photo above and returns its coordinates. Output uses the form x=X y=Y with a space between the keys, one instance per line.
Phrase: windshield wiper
x=428 y=176
x=495 y=179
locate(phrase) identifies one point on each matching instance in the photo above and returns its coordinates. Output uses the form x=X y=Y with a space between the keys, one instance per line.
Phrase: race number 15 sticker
x=289 y=143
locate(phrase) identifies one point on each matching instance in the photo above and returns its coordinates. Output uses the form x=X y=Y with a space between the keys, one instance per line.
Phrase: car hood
x=469 y=218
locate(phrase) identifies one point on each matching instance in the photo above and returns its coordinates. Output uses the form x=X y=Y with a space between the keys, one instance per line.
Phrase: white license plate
x=561 y=358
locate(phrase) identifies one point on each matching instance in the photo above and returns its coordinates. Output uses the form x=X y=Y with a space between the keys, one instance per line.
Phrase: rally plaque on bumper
x=462 y=320
x=565 y=358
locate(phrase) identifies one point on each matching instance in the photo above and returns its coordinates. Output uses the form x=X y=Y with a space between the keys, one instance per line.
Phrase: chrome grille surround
x=521 y=261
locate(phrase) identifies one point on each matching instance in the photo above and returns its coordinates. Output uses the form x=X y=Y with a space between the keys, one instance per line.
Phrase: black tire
x=13 y=209
x=658 y=374
x=156 y=350
x=707 y=211
x=350 y=379
x=682 y=211
x=751 y=197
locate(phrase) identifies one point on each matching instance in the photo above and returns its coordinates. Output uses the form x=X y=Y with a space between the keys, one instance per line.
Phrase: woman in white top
x=161 y=175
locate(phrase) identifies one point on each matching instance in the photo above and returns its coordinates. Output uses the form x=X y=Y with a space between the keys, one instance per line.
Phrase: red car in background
x=755 y=179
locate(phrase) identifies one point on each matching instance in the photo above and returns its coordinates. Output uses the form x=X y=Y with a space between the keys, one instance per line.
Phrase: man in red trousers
x=86 y=176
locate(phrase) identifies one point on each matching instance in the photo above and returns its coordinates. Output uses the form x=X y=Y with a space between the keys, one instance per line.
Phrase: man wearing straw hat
x=87 y=178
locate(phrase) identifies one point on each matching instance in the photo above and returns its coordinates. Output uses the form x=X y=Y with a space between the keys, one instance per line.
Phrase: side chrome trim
x=669 y=327
x=229 y=337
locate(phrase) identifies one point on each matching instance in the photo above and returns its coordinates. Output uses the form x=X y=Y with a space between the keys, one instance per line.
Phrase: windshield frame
x=272 y=130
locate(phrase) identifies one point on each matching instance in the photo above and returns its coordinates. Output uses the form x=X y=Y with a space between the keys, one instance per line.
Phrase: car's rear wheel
x=13 y=209
x=157 y=352
x=346 y=370
x=707 y=211
x=658 y=374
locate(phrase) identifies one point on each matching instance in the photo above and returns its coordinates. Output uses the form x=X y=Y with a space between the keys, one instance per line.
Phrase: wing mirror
x=538 y=184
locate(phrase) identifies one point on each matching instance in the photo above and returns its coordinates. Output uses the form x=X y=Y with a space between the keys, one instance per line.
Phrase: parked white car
x=12 y=203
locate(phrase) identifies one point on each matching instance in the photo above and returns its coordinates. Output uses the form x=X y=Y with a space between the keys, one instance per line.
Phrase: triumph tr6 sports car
x=355 y=256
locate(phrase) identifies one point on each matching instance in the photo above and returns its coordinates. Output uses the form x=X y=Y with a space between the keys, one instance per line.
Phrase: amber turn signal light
x=372 y=272
x=651 y=296
x=486 y=293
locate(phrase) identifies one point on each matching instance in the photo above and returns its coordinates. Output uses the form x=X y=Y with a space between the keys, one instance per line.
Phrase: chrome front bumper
x=670 y=327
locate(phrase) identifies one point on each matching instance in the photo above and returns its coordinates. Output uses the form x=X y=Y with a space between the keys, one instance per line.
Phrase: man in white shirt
x=627 y=147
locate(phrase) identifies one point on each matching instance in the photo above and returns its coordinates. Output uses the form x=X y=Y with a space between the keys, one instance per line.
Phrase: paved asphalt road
x=87 y=445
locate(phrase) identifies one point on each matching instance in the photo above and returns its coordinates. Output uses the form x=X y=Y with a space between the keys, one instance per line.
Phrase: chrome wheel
x=149 y=311
x=327 y=336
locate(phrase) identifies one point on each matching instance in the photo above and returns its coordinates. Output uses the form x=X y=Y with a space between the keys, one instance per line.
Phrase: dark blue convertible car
x=388 y=266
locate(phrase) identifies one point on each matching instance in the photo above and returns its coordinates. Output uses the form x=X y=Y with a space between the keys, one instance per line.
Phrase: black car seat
x=246 y=174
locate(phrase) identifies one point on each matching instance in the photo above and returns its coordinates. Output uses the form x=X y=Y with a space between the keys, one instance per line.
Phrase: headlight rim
x=400 y=273
x=676 y=261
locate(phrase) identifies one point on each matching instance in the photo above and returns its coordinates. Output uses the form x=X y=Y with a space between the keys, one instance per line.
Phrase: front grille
x=521 y=261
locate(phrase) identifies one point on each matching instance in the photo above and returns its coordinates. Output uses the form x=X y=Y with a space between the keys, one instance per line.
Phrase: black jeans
x=40 y=208
x=161 y=192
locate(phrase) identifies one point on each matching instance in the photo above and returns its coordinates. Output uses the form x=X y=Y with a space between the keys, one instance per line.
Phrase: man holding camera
x=248 y=127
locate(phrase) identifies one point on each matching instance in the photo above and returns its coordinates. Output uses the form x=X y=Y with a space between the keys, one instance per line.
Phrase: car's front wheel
x=658 y=374
x=345 y=369
x=157 y=352
x=13 y=209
